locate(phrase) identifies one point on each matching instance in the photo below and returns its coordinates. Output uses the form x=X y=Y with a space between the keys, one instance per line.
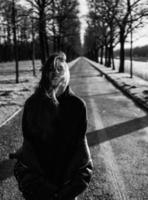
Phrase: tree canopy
x=53 y=25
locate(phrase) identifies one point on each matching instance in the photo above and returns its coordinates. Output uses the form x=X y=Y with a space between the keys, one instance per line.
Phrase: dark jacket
x=55 y=143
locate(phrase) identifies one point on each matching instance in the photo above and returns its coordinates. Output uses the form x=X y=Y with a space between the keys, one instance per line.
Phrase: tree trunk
x=96 y=54
x=33 y=50
x=15 y=41
x=110 y=52
x=46 y=43
x=42 y=45
x=122 y=52
x=113 y=63
x=58 y=42
x=54 y=38
x=106 y=55
x=62 y=43
x=33 y=58
x=99 y=55
x=8 y=33
x=109 y=56
x=101 y=59
x=42 y=36
x=54 y=43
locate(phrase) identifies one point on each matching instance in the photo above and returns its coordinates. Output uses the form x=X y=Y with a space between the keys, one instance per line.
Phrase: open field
x=12 y=95
x=140 y=68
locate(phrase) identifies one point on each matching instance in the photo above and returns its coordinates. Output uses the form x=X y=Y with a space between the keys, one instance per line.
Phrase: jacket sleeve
x=25 y=130
x=26 y=136
x=81 y=166
x=26 y=121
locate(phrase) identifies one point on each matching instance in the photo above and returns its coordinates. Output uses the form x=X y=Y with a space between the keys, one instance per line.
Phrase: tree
x=58 y=25
x=99 y=29
x=65 y=24
x=6 y=12
x=42 y=8
x=116 y=19
x=15 y=39
x=138 y=9
x=109 y=12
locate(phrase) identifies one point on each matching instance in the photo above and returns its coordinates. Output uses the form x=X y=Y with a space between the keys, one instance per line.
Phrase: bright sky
x=83 y=11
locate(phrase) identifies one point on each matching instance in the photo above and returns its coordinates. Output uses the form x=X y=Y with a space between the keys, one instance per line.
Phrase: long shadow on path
x=118 y=130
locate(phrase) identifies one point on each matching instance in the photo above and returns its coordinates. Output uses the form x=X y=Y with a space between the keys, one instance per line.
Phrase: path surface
x=117 y=135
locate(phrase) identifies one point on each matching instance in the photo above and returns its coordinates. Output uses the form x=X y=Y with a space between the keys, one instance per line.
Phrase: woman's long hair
x=47 y=83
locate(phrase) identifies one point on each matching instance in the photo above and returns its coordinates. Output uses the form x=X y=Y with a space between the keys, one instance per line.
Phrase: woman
x=54 y=161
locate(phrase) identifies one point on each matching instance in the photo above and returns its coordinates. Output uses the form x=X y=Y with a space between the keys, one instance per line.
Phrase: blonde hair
x=52 y=80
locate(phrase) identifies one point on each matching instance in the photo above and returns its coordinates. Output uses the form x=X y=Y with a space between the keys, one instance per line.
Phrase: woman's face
x=59 y=65
x=59 y=75
x=59 y=70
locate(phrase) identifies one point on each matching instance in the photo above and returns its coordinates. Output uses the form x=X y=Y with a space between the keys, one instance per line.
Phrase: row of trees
x=38 y=27
x=111 y=23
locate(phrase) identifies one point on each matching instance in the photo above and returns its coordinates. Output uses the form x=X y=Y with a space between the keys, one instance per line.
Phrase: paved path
x=117 y=135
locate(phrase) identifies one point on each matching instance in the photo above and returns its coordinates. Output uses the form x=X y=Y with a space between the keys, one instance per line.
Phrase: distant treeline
x=24 y=51
x=138 y=52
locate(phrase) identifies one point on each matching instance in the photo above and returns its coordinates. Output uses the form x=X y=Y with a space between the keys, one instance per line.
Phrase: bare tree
x=58 y=24
x=6 y=12
x=100 y=29
x=33 y=46
x=15 y=39
x=64 y=19
x=115 y=24
x=109 y=12
x=43 y=13
x=138 y=9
